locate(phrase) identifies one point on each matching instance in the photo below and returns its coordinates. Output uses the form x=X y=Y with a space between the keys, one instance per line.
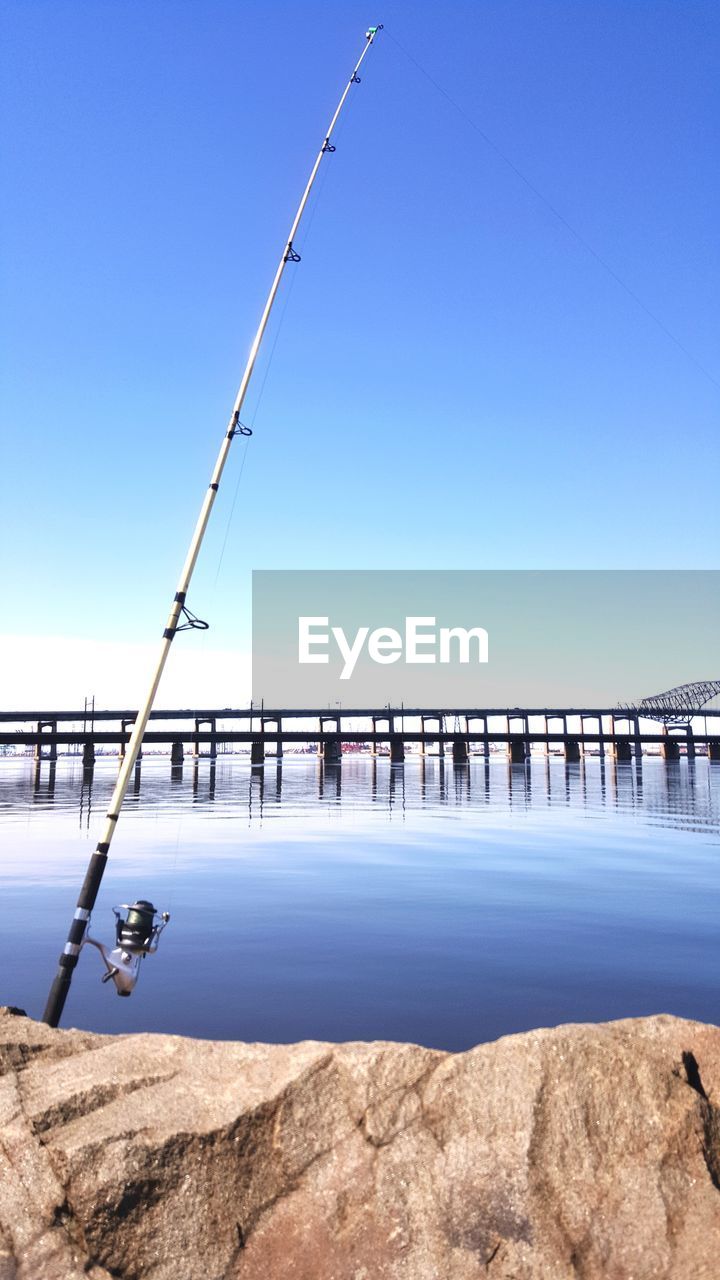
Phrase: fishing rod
x=137 y=933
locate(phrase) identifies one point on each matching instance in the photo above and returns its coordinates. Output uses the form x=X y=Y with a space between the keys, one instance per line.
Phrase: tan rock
x=583 y=1151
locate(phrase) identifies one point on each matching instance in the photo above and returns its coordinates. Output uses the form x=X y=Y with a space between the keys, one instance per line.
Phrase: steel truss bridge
x=678 y=705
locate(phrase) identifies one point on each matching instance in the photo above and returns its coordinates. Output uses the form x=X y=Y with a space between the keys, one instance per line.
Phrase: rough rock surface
x=583 y=1151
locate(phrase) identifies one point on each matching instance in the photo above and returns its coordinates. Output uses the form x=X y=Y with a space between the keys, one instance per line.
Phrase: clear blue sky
x=457 y=382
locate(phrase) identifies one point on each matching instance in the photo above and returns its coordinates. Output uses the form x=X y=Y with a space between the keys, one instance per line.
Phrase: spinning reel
x=137 y=933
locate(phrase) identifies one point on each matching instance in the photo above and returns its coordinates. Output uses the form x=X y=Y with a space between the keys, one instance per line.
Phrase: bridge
x=681 y=704
x=669 y=727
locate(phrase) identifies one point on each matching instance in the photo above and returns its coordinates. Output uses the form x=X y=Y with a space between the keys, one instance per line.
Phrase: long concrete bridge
x=623 y=733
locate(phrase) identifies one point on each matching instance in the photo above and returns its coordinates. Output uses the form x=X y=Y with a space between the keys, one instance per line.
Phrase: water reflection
x=44 y=779
x=256 y=792
x=204 y=772
x=686 y=790
x=428 y=901
x=329 y=781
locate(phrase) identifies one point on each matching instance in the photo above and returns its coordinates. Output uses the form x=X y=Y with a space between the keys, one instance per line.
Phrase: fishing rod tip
x=372 y=31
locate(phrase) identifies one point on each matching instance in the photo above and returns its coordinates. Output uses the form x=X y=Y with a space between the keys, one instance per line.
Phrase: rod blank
x=88 y=894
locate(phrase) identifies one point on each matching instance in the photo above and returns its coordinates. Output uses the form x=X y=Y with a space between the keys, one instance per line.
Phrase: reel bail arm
x=136 y=935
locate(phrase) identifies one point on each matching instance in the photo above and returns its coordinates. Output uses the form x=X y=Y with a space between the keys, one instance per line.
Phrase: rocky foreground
x=583 y=1151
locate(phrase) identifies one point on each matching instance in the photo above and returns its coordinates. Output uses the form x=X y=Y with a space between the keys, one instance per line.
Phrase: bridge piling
x=389 y=720
x=474 y=736
x=427 y=738
x=276 y=723
x=51 y=753
x=517 y=749
x=126 y=727
x=621 y=747
x=211 y=723
x=331 y=746
x=332 y=751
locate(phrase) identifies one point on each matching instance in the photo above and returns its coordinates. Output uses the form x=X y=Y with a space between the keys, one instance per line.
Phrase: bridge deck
x=259 y=728
x=309 y=736
x=344 y=713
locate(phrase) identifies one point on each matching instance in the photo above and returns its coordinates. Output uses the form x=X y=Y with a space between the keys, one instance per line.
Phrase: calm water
x=440 y=905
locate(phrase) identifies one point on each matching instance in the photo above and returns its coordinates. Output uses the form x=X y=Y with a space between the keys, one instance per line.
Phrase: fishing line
x=173 y=869
x=556 y=213
x=286 y=302
x=252 y=424
x=232 y=512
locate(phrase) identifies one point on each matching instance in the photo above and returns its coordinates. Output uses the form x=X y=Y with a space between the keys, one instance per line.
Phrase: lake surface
x=428 y=903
